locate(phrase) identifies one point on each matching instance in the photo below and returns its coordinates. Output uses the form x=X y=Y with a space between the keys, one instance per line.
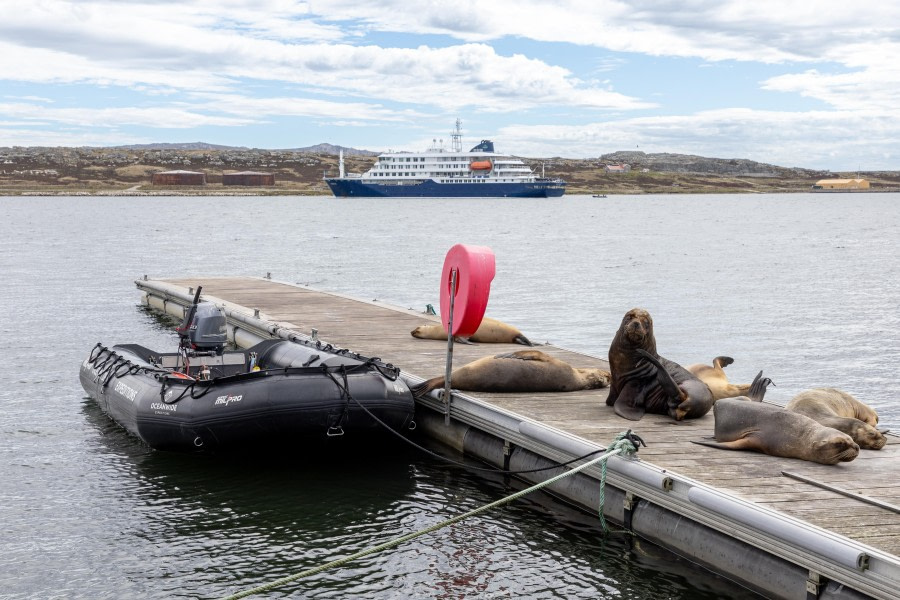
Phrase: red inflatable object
x=475 y=268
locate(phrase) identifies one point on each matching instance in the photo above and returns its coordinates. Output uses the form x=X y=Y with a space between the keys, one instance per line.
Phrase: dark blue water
x=802 y=286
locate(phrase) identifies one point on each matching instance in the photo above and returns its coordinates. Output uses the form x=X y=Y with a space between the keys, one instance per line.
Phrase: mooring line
x=621 y=445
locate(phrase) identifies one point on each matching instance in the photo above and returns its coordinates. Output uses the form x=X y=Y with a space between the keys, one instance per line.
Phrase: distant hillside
x=689 y=163
x=187 y=146
x=179 y=146
x=332 y=149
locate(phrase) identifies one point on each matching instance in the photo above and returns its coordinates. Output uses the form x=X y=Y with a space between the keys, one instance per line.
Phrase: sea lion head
x=866 y=414
x=867 y=436
x=637 y=329
x=428 y=332
x=594 y=378
x=834 y=448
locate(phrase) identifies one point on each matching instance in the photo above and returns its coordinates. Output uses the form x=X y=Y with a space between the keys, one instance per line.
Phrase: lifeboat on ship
x=204 y=398
x=481 y=165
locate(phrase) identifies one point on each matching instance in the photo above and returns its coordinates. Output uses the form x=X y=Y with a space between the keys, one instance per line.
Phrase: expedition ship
x=437 y=173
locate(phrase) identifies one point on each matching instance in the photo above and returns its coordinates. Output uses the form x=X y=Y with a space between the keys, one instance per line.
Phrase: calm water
x=802 y=286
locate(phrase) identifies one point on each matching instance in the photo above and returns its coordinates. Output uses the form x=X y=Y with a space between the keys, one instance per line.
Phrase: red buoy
x=475 y=268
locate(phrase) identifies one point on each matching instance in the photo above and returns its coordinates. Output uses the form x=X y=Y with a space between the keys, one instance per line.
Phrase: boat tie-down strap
x=110 y=364
x=336 y=428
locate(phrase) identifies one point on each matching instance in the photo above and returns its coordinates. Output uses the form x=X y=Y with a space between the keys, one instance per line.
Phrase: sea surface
x=805 y=287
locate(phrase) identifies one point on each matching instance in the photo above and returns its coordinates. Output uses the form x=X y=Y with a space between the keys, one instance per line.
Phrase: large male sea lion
x=643 y=381
x=715 y=379
x=762 y=427
x=838 y=409
x=522 y=371
x=491 y=331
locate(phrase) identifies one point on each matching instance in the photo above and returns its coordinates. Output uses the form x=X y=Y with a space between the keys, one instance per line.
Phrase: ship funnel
x=341 y=163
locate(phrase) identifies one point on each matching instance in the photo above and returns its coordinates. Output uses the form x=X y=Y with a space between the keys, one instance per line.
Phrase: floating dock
x=784 y=528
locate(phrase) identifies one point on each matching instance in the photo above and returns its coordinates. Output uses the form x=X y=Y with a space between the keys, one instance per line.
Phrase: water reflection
x=229 y=522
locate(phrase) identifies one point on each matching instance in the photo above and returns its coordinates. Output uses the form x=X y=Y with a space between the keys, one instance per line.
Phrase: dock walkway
x=858 y=527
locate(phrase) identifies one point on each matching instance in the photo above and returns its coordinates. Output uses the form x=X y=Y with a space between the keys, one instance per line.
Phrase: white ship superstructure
x=438 y=172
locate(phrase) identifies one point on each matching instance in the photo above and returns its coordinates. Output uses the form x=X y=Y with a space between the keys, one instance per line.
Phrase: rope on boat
x=622 y=445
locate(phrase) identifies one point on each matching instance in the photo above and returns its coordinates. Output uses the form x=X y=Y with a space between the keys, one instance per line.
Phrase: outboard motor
x=207 y=331
x=204 y=329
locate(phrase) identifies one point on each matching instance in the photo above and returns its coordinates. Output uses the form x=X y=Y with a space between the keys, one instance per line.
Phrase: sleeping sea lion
x=522 y=371
x=715 y=379
x=642 y=381
x=491 y=331
x=762 y=427
x=838 y=409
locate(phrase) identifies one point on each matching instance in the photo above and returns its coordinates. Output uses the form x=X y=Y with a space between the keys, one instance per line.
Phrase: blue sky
x=805 y=84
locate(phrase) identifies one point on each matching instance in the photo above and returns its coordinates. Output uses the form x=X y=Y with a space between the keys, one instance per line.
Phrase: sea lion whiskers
x=836 y=449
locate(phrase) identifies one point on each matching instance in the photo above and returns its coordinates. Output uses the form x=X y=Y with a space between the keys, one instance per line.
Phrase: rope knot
x=628 y=442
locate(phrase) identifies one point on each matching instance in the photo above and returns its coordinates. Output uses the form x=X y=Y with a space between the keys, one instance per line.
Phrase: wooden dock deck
x=375 y=329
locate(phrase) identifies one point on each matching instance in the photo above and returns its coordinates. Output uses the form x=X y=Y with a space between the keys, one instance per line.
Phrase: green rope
x=617 y=443
x=621 y=445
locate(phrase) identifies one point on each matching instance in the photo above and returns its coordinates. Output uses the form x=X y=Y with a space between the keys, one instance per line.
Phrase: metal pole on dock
x=449 y=367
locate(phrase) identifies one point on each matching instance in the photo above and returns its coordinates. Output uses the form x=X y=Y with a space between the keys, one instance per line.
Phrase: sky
x=796 y=83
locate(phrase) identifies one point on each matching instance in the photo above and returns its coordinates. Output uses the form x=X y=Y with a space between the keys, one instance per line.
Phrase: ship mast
x=456 y=137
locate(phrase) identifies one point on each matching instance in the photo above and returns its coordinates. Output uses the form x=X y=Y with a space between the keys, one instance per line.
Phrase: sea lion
x=770 y=429
x=643 y=381
x=838 y=409
x=522 y=371
x=491 y=331
x=715 y=379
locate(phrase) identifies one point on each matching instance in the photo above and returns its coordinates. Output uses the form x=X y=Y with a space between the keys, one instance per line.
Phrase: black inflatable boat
x=204 y=398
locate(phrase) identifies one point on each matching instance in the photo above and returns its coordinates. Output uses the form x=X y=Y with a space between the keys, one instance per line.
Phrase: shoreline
x=284 y=192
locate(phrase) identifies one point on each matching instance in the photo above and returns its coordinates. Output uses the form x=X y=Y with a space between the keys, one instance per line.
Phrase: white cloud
x=838 y=140
x=863 y=39
x=161 y=117
x=17 y=135
x=235 y=104
x=230 y=63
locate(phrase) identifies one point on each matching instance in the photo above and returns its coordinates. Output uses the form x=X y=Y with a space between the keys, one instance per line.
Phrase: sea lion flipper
x=722 y=361
x=666 y=381
x=521 y=339
x=463 y=340
x=758 y=387
x=626 y=410
x=741 y=444
x=421 y=389
x=526 y=355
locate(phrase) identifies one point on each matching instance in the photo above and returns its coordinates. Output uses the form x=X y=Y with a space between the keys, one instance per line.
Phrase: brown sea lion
x=643 y=381
x=770 y=429
x=715 y=379
x=838 y=409
x=491 y=331
x=522 y=371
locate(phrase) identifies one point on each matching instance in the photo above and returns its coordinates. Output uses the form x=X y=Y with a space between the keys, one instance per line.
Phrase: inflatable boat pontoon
x=204 y=398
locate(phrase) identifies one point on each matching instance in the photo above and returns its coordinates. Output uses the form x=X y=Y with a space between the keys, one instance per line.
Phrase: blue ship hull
x=344 y=188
